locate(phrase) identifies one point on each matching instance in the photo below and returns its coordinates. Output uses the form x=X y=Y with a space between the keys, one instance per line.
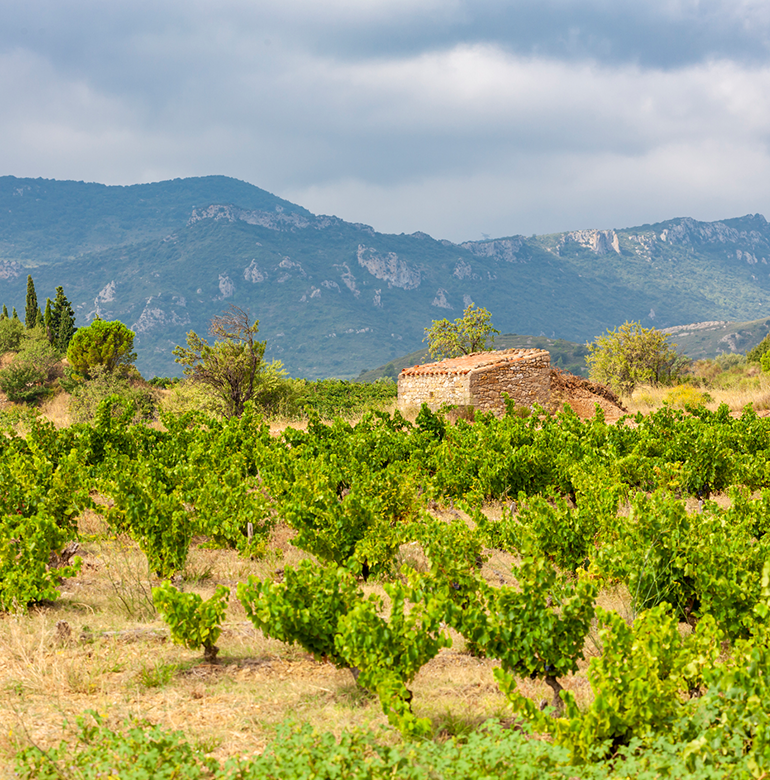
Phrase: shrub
x=192 y=621
x=102 y=343
x=11 y=334
x=24 y=380
x=632 y=355
x=686 y=395
x=87 y=395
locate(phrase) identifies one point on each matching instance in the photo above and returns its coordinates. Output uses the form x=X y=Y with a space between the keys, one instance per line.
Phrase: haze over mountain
x=334 y=298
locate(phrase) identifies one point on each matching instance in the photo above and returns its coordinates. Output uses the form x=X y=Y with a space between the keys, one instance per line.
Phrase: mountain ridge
x=336 y=298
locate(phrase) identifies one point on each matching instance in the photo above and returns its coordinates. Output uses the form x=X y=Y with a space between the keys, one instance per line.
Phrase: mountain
x=335 y=298
x=709 y=339
x=565 y=355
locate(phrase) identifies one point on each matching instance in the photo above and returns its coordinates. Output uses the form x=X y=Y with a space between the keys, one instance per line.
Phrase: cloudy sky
x=461 y=118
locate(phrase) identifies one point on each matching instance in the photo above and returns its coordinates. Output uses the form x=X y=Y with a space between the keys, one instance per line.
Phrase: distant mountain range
x=335 y=298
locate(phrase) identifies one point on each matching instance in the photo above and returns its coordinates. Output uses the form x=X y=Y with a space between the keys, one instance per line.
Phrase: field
x=589 y=598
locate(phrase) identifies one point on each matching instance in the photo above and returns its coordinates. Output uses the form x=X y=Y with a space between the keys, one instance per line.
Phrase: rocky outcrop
x=254 y=274
x=440 y=300
x=389 y=268
x=9 y=269
x=155 y=317
x=226 y=286
x=506 y=249
x=601 y=242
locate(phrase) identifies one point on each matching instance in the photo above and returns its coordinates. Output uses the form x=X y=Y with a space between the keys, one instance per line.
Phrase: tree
x=756 y=354
x=11 y=335
x=473 y=332
x=15 y=315
x=30 y=310
x=62 y=324
x=232 y=366
x=4 y=315
x=101 y=343
x=24 y=379
x=632 y=355
x=48 y=319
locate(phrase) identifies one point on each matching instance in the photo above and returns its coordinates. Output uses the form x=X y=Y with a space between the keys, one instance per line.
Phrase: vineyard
x=538 y=596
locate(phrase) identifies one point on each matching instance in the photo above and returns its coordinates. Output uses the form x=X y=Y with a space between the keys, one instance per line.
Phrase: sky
x=463 y=119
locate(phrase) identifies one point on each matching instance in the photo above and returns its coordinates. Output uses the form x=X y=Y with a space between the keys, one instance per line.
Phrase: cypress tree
x=39 y=321
x=30 y=310
x=14 y=314
x=47 y=320
x=62 y=321
x=4 y=315
x=66 y=331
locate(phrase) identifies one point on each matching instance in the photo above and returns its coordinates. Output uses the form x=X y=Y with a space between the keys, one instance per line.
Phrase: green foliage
x=330 y=398
x=565 y=534
x=638 y=682
x=304 y=609
x=755 y=354
x=39 y=499
x=25 y=378
x=536 y=629
x=48 y=318
x=232 y=508
x=632 y=355
x=351 y=522
x=26 y=544
x=473 y=332
x=148 y=508
x=353 y=493
x=232 y=368
x=102 y=343
x=61 y=327
x=87 y=395
x=192 y=621
x=188 y=396
x=30 y=310
x=389 y=652
x=11 y=334
x=141 y=752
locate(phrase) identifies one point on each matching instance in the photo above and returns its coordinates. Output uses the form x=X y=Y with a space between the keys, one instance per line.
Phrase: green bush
x=330 y=398
x=192 y=621
x=11 y=335
x=86 y=395
x=755 y=354
x=25 y=379
x=102 y=343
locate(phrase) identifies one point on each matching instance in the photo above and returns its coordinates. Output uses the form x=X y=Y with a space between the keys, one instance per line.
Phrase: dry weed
x=56 y=409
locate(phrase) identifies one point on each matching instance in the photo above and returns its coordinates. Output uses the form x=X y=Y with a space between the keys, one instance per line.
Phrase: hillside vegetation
x=334 y=298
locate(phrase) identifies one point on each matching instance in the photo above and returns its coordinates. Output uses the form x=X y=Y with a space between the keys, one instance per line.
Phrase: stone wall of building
x=478 y=380
x=434 y=389
x=526 y=380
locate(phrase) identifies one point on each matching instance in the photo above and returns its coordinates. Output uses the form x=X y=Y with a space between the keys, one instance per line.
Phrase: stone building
x=479 y=380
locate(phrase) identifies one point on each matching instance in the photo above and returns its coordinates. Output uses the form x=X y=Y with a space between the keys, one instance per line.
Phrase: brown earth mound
x=583 y=396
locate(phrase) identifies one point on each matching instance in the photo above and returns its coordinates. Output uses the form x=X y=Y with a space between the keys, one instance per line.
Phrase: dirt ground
x=101 y=647
x=583 y=396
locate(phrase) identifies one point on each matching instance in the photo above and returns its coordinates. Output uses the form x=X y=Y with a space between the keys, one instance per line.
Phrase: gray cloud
x=455 y=118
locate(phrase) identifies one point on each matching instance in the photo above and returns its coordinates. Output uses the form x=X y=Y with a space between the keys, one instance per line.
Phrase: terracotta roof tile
x=466 y=363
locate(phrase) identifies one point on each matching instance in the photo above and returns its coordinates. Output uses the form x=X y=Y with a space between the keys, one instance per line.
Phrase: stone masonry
x=479 y=380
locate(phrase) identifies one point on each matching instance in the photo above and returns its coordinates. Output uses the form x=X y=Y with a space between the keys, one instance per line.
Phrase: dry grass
x=757 y=393
x=56 y=409
x=113 y=656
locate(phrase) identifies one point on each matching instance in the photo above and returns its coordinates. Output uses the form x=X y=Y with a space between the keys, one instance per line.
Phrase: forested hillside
x=336 y=298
